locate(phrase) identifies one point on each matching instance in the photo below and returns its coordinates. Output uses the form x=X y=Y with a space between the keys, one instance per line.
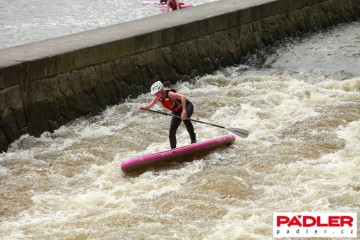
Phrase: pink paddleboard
x=162 y=5
x=176 y=154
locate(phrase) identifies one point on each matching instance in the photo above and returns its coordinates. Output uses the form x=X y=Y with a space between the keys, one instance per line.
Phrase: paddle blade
x=240 y=132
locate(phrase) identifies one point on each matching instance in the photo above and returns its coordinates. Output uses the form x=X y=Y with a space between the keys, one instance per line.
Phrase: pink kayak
x=163 y=5
x=177 y=154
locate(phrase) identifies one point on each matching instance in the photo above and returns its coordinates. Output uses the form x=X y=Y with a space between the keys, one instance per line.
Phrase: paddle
x=239 y=132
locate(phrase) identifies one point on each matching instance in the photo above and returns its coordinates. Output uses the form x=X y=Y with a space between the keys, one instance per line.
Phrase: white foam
x=3 y=171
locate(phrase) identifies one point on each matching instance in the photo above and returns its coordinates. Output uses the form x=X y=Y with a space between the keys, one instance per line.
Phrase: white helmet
x=156 y=87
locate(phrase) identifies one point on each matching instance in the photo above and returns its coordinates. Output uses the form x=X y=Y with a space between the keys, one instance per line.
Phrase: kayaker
x=174 y=5
x=175 y=102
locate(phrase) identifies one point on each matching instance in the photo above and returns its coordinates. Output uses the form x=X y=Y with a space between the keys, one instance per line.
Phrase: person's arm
x=182 y=98
x=150 y=104
x=168 y=5
x=177 y=4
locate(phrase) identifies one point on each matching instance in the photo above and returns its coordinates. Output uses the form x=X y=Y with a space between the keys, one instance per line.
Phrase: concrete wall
x=47 y=84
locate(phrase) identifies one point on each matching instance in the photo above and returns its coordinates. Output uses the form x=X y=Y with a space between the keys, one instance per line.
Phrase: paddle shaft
x=194 y=120
x=240 y=132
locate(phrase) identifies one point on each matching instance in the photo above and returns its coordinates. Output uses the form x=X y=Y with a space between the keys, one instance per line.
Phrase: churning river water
x=300 y=100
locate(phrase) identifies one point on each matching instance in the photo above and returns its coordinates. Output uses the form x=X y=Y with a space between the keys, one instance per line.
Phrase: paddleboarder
x=175 y=102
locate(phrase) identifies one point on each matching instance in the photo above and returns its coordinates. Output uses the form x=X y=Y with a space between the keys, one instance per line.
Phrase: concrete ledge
x=74 y=51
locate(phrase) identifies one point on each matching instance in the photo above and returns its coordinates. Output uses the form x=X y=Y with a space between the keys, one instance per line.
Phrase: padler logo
x=315 y=225
x=310 y=221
